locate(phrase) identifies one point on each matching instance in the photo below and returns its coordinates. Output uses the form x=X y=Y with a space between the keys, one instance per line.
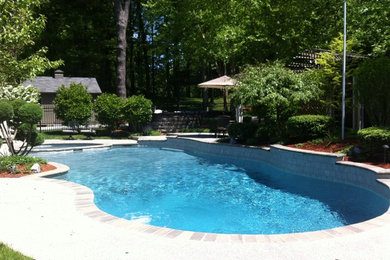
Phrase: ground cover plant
x=8 y=253
x=6 y=162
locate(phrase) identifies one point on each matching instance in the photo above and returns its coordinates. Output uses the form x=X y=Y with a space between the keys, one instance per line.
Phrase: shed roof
x=51 y=85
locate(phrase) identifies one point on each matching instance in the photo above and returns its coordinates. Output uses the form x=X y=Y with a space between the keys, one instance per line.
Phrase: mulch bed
x=334 y=148
x=44 y=168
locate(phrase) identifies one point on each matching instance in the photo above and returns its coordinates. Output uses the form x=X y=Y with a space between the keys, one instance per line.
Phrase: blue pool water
x=205 y=193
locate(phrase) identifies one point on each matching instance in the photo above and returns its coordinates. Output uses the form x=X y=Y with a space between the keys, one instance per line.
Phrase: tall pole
x=344 y=69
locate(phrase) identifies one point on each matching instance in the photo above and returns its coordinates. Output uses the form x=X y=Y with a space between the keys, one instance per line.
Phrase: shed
x=48 y=86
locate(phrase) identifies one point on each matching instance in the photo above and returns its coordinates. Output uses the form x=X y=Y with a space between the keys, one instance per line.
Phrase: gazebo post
x=205 y=99
x=225 y=97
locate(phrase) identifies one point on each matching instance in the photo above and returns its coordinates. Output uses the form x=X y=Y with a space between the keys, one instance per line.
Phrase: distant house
x=48 y=86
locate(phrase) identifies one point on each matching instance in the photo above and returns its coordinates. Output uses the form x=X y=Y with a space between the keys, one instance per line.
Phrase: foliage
x=235 y=130
x=17 y=104
x=29 y=94
x=30 y=113
x=274 y=92
x=266 y=134
x=330 y=75
x=7 y=161
x=373 y=89
x=369 y=23
x=138 y=111
x=242 y=131
x=8 y=253
x=174 y=45
x=306 y=127
x=17 y=121
x=373 y=138
x=20 y=27
x=6 y=111
x=108 y=108
x=73 y=105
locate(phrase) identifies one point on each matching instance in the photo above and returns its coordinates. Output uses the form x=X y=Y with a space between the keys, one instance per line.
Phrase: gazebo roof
x=219 y=83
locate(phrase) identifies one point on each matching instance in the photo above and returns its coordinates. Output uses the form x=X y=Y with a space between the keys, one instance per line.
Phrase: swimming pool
x=206 y=193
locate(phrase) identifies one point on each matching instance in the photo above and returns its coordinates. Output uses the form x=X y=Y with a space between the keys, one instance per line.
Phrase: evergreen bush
x=372 y=139
x=307 y=127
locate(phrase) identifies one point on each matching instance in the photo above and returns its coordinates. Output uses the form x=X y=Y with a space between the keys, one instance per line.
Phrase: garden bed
x=21 y=168
x=338 y=147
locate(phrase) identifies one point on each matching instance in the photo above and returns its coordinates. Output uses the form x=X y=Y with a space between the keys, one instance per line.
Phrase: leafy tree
x=138 y=112
x=373 y=89
x=108 y=108
x=73 y=105
x=330 y=74
x=274 y=92
x=20 y=26
x=369 y=23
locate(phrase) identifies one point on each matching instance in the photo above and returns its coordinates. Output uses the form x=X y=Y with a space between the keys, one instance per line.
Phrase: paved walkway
x=42 y=218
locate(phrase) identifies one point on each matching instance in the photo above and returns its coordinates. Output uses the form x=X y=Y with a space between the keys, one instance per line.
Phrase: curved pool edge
x=86 y=144
x=84 y=202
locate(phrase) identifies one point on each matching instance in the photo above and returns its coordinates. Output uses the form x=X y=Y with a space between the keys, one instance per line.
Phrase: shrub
x=73 y=104
x=108 y=108
x=234 y=130
x=17 y=104
x=30 y=113
x=307 y=127
x=6 y=111
x=266 y=134
x=22 y=118
x=373 y=138
x=242 y=131
x=138 y=112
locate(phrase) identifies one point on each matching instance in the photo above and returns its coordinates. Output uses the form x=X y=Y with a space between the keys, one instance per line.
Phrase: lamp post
x=344 y=69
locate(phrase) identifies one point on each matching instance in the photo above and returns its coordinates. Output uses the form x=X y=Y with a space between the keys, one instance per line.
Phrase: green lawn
x=7 y=253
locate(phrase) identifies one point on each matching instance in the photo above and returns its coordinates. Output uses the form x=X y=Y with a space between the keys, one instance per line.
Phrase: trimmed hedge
x=372 y=139
x=307 y=127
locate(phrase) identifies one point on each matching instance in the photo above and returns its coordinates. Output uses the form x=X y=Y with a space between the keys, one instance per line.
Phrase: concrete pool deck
x=52 y=219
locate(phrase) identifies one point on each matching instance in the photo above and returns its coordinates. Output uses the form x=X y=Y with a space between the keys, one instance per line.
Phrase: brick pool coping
x=84 y=203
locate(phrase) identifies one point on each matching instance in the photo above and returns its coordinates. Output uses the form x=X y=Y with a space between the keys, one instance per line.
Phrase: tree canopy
x=20 y=27
x=173 y=45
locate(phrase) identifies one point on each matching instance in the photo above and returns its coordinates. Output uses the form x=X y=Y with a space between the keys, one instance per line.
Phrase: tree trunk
x=121 y=18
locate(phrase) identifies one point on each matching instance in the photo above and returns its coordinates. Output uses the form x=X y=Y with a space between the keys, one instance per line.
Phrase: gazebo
x=223 y=83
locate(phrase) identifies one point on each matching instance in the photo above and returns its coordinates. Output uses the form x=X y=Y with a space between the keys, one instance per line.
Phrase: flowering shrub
x=29 y=94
